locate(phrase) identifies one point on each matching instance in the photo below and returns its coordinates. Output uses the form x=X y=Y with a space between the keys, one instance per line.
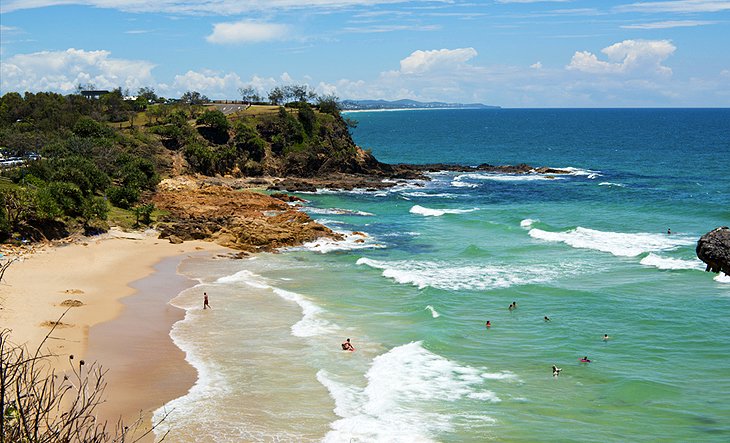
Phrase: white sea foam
x=581 y=172
x=426 y=194
x=722 y=278
x=671 y=263
x=397 y=404
x=455 y=276
x=352 y=241
x=616 y=243
x=470 y=177
x=311 y=323
x=618 y=185
x=434 y=314
x=328 y=221
x=527 y=223
x=461 y=184
x=428 y=212
x=336 y=211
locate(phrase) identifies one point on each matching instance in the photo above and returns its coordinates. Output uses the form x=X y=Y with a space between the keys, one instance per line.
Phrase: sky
x=509 y=53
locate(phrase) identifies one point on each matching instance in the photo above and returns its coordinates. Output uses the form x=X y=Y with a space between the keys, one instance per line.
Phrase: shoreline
x=145 y=368
x=106 y=280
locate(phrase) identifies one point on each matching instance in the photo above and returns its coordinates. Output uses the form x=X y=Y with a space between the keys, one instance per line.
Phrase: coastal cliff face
x=713 y=248
x=239 y=219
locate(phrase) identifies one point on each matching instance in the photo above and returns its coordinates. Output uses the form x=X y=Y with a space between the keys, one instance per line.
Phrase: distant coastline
x=402 y=105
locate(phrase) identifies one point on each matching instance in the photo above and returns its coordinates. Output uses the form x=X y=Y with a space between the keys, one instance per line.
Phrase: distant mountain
x=354 y=105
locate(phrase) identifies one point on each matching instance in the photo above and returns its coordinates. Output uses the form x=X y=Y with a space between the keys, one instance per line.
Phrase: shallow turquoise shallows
x=427 y=263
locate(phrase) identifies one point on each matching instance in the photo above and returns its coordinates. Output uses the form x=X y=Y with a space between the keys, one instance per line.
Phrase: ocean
x=427 y=263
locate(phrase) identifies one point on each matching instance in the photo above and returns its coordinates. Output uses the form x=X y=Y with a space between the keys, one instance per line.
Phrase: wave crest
x=429 y=212
x=616 y=243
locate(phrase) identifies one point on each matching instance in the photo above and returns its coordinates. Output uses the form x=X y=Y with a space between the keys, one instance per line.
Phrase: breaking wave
x=397 y=404
x=451 y=276
x=671 y=263
x=616 y=243
x=428 y=212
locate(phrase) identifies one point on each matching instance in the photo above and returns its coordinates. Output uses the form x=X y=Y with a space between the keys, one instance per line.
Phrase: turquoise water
x=426 y=264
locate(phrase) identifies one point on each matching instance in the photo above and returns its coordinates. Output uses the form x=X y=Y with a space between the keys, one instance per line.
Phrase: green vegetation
x=68 y=162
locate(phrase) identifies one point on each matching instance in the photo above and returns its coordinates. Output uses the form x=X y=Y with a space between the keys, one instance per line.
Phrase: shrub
x=122 y=196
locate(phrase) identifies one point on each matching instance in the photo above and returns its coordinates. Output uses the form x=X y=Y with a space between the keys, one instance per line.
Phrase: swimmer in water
x=556 y=371
x=669 y=232
x=511 y=307
x=585 y=360
x=489 y=324
x=606 y=337
x=347 y=346
x=546 y=318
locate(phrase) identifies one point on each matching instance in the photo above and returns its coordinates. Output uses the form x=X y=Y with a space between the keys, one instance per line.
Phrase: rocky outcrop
x=239 y=219
x=713 y=248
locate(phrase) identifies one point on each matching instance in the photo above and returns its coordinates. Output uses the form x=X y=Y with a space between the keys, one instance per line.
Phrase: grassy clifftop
x=68 y=162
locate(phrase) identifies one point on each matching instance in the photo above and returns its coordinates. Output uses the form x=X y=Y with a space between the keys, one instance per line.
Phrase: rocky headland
x=713 y=248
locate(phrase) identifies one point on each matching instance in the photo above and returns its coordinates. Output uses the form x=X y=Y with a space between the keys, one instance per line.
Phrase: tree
x=329 y=104
x=194 y=98
x=249 y=94
x=276 y=96
x=215 y=120
x=94 y=208
x=18 y=205
x=148 y=94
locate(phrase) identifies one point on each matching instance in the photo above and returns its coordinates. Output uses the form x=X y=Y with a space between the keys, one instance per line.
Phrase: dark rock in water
x=713 y=248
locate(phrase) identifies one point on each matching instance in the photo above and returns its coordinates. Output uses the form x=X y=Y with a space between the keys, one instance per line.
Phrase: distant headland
x=368 y=105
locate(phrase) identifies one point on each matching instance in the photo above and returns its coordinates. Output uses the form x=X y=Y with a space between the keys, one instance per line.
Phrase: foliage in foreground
x=40 y=405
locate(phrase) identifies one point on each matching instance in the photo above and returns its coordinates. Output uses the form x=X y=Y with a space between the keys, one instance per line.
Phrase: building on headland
x=95 y=94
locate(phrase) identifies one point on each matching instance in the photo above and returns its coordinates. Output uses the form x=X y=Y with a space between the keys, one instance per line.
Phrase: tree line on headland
x=77 y=159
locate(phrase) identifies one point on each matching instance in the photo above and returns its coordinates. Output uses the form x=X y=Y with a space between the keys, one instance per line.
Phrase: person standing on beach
x=205 y=301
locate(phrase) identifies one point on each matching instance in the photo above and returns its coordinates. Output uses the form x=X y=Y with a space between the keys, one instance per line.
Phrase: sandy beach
x=115 y=290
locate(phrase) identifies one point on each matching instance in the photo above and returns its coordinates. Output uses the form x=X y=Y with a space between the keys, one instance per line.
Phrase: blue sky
x=511 y=53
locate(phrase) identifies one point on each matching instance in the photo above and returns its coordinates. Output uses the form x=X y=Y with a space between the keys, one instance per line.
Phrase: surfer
x=584 y=360
x=347 y=346
x=556 y=371
x=205 y=301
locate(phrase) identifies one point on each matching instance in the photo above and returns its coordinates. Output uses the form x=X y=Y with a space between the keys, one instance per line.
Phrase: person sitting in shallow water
x=347 y=346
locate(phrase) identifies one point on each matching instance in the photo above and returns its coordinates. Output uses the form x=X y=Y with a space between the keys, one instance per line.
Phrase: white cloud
x=532 y=1
x=537 y=65
x=219 y=7
x=628 y=56
x=246 y=32
x=678 y=6
x=669 y=24
x=437 y=59
x=211 y=83
x=62 y=70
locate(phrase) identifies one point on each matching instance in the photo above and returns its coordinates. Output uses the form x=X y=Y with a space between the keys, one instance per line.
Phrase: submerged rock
x=713 y=248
